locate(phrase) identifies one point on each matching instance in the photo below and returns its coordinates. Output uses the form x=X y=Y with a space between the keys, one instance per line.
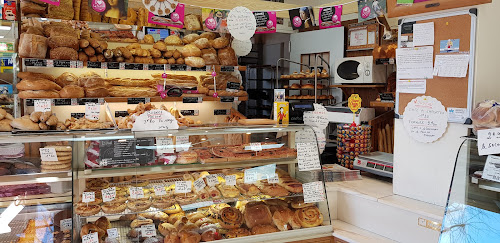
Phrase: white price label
x=230 y=180
x=199 y=184
x=160 y=190
x=155 y=120
x=108 y=194
x=148 y=231
x=48 y=154
x=136 y=192
x=90 y=238
x=256 y=146
x=182 y=143
x=491 y=169
x=164 y=145
x=113 y=233
x=488 y=141
x=250 y=176
x=43 y=105
x=313 y=192
x=88 y=197
x=212 y=180
x=307 y=156
x=274 y=179
x=66 y=224
x=182 y=187
x=92 y=111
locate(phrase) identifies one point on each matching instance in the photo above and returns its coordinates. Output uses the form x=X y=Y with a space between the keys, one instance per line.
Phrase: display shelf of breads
x=308 y=86
x=308 y=97
x=307 y=75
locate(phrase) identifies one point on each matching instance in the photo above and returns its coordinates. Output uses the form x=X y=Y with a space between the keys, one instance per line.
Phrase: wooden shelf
x=381 y=104
x=289 y=79
x=362 y=86
x=82 y=101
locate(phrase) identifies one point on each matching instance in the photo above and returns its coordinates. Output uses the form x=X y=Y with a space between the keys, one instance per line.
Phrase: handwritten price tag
x=155 y=120
x=182 y=187
x=136 y=192
x=307 y=156
x=230 y=180
x=43 y=105
x=148 y=231
x=108 y=194
x=256 y=146
x=274 y=179
x=182 y=143
x=66 y=224
x=250 y=176
x=160 y=190
x=212 y=180
x=48 y=154
x=164 y=145
x=199 y=184
x=313 y=192
x=488 y=141
x=113 y=233
x=90 y=238
x=88 y=197
x=92 y=111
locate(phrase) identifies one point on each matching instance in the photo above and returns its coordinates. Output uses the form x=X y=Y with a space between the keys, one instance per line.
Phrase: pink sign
x=330 y=17
x=54 y=2
x=266 y=22
x=174 y=19
x=98 y=5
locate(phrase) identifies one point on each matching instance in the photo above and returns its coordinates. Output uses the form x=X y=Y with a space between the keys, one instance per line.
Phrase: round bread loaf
x=63 y=41
x=72 y=91
x=66 y=79
x=220 y=43
x=191 y=50
x=195 y=62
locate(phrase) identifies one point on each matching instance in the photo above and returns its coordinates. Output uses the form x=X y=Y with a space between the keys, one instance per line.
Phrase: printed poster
x=449 y=46
x=266 y=22
x=116 y=9
x=302 y=18
x=174 y=19
x=214 y=20
x=330 y=17
x=369 y=9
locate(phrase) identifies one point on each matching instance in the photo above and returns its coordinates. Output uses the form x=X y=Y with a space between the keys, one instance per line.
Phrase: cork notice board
x=452 y=92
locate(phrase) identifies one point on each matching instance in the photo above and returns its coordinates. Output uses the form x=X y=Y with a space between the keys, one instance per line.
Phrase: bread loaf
x=191 y=50
x=28 y=7
x=210 y=59
x=32 y=46
x=195 y=62
x=202 y=43
x=33 y=75
x=84 y=11
x=208 y=35
x=122 y=91
x=37 y=84
x=5 y=125
x=91 y=81
x=227 y=57
x=24 y=123
x=192 y=22
x=63 y=41
x=63 y=11
x=72 y=91
x=220 y=43
x=38 y=94
x=96 y=92
x=257 y=214
x=77 y=4
x=173 y=40
x=63 y=53
x=188 y=39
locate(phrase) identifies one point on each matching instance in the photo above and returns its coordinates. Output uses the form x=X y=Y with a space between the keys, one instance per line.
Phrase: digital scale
x=378 y=163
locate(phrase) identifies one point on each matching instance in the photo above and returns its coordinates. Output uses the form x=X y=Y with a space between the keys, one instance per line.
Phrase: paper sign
x=155 y=120
x=449 y=46
x=425 y=119
x=182 y=186
x=148 y=231
x=307 y=156
x=136 y=192
x=305 y=136
x=265 y=22
x=174 y=19
x=321 y=138
x=330 y=17
x=250 y=176
x=182 y=143
x=90 y=238
x=488 y=141
x=230 y=180
x=66 y=224
x=454 y=66
x=359 y=37
x=491 y=169
x=415 y=86
x=212 y=180
x=423 y=34
x=457 y=114
x=43 y=105
x=241 y=23
x=274 y=179
x=160 y=190
x=199 y=184
x=313 y=192
x=316 y=118
x=256 y=146
x=241 y=47
x=88 y=197
x=48 y=154
x=92 y=111
x=113 y=233
x=164 y=145
x=415 y=63
x=108 y=194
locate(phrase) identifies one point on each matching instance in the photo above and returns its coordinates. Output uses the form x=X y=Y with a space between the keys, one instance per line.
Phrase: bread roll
x=173 y=40
x=72 y=91
x=191 y=50
x=257 y=214
x=202 y=43
x=32 y=46
x=38 y=94
x=188 y=39
x=220 y=42
x=5 y=125
x=37 y=84
x=96 y=92
x=63 y=53
x=208 y=35
x=92 y=81
x=195 y=62
x=192 y=22
x=24 y=123
x=33 y=75
x=122 y=91
x=177 y=54
x=63 y=41
x=160 y=45
x=227 y=57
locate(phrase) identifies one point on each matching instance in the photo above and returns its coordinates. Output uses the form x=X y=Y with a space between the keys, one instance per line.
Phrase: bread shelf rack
x=129 y=100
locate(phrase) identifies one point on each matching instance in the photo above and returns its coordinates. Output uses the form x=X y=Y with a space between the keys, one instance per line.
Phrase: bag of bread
x=63 y=11
x=486 y=115
x=227 y=57
x=34 y=46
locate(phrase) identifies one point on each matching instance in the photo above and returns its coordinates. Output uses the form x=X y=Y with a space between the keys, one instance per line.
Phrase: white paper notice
x=491 y=169
x=274 y=179
x=371 y=37
x=90 y=238
x=164 y=145
x=241 y=48
x=415 y=63
x=113 y=233
x=43 y=105
x=155 y=120
x=453 y=66
x=316 y=118
x=66 y=224
x=160 y=190
x=425 y=119
x=423 y=34
x=199 y=184
x=359 y=37
x=182 y=187
x=108 y=194
x=48 y=154
x=307 y=156
x=415 y=86
x=241 y=23
x=230 y=180
x=212 y=180
x=182 y=143
x=256 y=146
x=136 y=192
x=305 y=136
x=250 y=176
x=148 y=231
x=488 y=141
x=457 y=114
x=313 y=192
x=88 y=197
x=92 y=111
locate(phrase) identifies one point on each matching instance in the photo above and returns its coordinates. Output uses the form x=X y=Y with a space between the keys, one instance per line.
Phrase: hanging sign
x=370 y=9
x=214 y=20
x=111 y=9
x=302 y=18
x=425 y=119
x=241 y=23
x=172 y=19
x=160 y=7
x=241 y=48
x=155 y=120
x=266 y=22
x=330 y=17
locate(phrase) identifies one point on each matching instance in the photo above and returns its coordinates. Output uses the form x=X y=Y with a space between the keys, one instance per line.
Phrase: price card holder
x=228 y=69
x=178 y=67
x=92 y=111
x=227 y=99
x=66 y=224
x=199 y=184
x=274 y=179
x=113 y=233
x=136 y=101
x=222 y=112
x=190 y=112
x=212 y=180
x=48 y=154
x=35 y=62
x=134 y=66
x=160 y=190
x=43 y=105
x=313 y=192
x=121 y=113
x=164 y=145
x=230 y=180
x=77 y=115
x=156 y=67
x=256 y=146
x=114 y=65
x=182 y=186
x=90 y=238
x=491 y=169
x=250 y=176
x=488 y=141
x=88 y=197
x=108 y=194
x=148 y=231
x=307 y=156
x=64 y=102
x=182 y=143
x=191 y=100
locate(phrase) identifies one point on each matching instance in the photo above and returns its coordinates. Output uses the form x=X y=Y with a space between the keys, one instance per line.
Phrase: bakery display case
x=472 y=211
